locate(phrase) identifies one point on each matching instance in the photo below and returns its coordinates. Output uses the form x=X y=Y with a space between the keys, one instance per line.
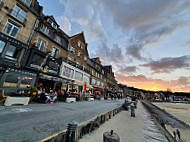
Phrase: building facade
x=47 y=51
x=17 y=21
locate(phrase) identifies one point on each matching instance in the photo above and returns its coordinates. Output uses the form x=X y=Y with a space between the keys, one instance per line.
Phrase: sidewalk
x=129 y=129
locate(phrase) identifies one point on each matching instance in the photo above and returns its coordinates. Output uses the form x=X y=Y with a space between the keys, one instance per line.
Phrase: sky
x=147 y=42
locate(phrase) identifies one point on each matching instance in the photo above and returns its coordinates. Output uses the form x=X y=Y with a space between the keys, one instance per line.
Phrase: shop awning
x=89 y=86
x=78 y=83
x=52 y=78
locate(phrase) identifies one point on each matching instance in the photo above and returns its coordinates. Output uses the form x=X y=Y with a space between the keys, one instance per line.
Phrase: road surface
x=37 y=121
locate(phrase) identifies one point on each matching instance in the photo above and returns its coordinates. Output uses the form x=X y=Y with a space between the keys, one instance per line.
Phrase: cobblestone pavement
x=138 y=129
x=37 y=121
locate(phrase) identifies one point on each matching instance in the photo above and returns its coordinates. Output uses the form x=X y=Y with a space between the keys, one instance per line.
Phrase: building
x=75 y=67
x=17 y=21
x=47 y=51
x=111 y=83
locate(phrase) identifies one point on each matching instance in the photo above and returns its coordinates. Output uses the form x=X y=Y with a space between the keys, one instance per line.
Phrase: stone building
x=18 y=19
x=98 y=76
x=47 y=51
x=75 y=67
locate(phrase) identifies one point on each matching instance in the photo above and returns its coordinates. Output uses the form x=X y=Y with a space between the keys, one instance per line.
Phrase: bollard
x=71 y=131
x=110 y=137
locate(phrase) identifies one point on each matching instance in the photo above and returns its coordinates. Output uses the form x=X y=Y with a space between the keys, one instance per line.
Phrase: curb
x=84 y=127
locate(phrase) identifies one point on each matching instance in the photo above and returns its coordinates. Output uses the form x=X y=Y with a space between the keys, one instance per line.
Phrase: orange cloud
x=142 y=82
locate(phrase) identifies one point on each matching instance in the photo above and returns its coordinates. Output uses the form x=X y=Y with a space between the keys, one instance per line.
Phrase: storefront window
x=53 y=66
x=37 y=61
x=11 y=80
x=78 y=76
x=26 y=82
x=2 y=45
x=68 y=72
x=86 y=79
x=13 y=53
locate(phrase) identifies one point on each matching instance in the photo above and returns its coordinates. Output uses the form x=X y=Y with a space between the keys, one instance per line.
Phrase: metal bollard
x=71 y=131
x=110 y=137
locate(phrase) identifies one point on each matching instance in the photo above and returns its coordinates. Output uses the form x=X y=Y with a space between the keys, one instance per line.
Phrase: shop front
x=47 y=69
x=16 y=81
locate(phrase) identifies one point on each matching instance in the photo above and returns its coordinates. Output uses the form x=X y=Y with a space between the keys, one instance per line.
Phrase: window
x=70 y=59
x=72 y=49
x=2 y=45
x=93 y=81
x=37 y=61
x=86 y=79
x=78 y=43
x=78 y=76
x=79 y=54
x=82 y=47
x=84 y=68
x=13 y=53
x=11 y=80
x=41 y=45
x=58 y=39
x=45 y=29
x=77 y=64
x=26 y=82
x=53 y=65
x=11 y=29
x=68 y=72
x=27 y=2
x=85 y=58
x=54 y=26
x=19 y=13
x=55 y=52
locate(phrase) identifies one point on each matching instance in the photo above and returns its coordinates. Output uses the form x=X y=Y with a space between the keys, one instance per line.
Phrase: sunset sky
x=146 y=41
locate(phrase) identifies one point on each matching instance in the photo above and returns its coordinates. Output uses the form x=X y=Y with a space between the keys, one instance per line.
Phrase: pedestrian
x=174 y=133
x=132 y=109
x=162 y=124
x=178 y=134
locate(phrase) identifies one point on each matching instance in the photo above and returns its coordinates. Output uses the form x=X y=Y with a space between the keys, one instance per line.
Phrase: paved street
x=37 y=121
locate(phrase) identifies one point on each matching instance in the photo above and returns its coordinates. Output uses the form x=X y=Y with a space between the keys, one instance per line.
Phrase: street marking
x=56 y=134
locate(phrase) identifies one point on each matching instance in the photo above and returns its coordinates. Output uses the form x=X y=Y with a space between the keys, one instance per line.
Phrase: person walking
x=178 y=134
x=132 y=109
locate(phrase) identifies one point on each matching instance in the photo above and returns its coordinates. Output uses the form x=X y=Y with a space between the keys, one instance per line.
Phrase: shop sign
x=20 y=71
x=2 y=36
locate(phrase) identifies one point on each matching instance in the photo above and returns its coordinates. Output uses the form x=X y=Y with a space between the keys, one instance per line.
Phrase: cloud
x=87 y=18
x=109 y=55
x=128 y=70
x=167 y=65
x=187 y=44
x=65 y=24
x=149 y=19
x=140 y=81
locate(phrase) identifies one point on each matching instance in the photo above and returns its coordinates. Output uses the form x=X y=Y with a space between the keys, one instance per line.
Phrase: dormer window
x=27 y=2
x=52 y=24
x=78 y=43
